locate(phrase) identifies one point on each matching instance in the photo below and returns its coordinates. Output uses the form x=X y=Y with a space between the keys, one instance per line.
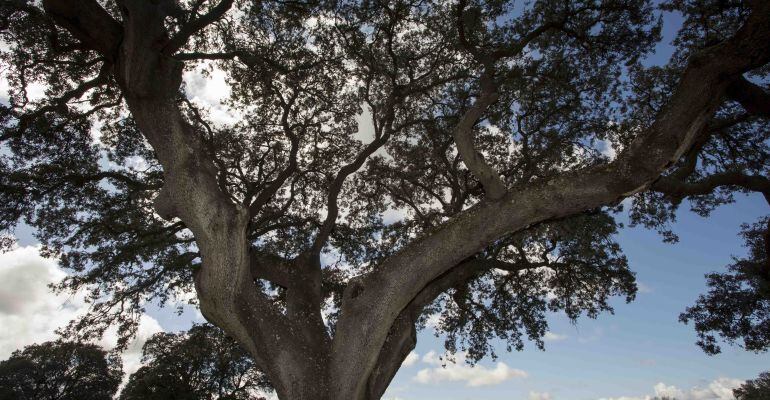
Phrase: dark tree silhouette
x=737 y=306
x=480 y=124
x=60 y=371
x=199 y=364
x=754 y=389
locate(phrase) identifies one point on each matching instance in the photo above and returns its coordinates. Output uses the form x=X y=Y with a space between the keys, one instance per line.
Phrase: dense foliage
x=201 y=364
x=737 y=306
x=754 y=389
x=60 y=371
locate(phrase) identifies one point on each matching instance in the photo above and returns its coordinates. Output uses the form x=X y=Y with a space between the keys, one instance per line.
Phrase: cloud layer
x=718 y=389
x=460 y=371
x=30 y=312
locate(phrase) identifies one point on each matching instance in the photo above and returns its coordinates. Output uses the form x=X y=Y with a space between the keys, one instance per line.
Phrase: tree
x=480 y=124
x=60 y=371
x=737 y=306
x=202 y=363
x=756 y=389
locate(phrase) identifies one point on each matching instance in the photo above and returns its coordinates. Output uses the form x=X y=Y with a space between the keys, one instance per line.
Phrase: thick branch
x=336 y=187
x=267 y=193
x=60 y=102
x=89 y=23
x=754 y=98
x=463 y=136
x=402 y=335
x=679 y=189
x=270 y=267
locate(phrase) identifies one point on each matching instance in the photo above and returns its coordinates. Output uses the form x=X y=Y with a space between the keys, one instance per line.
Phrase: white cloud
x=132 y=356
x=539 y=396
x=554 y=337
x=393 y=215
x=410 y=359
x=431 y=358
x=30 y=312
x=718 y=389
x=210 y=89
x=459 y=371
x=365 y=132
x=36 y=91
x=433 y=321
x=626 y=398
x=607 y=149
x=4 y=88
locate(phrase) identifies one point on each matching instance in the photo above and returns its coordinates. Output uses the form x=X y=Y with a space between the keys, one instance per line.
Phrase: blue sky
x=643 y=344
x=640 y=351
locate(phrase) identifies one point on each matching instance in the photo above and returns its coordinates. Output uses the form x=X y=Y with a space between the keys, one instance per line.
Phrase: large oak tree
x=480 y=123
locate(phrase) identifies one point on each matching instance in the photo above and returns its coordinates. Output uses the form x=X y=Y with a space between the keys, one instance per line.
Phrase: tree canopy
x=385 y=162
x=199 y=364
x=60 y=371
x=754 y=389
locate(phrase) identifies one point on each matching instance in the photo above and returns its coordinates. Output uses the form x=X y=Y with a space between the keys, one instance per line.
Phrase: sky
x=639 y=352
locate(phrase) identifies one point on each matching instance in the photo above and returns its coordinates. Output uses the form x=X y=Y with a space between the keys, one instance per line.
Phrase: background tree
x=480 y=122
x=737 y=306
x=202 y=363
x=60 y=371
x=756 y=389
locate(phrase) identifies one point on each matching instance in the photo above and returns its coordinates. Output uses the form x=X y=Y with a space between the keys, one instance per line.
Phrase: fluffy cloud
x=539 y=396
x=393 y=215
x=410 y=359
x=607 y=149
x=132 y=356
x=30 y=312
x=459 y=371
x=718 y=389
x=207 y=86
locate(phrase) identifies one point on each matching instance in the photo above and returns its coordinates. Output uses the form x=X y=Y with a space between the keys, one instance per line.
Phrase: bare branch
x=336 y=186
x=196 y=25
x=679 y=189
x=60 y=102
